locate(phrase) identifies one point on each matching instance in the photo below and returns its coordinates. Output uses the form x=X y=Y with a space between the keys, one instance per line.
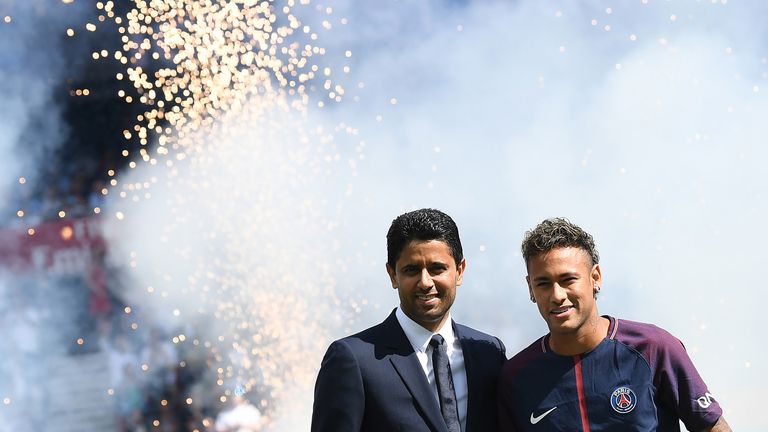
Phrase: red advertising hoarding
x=56 y=247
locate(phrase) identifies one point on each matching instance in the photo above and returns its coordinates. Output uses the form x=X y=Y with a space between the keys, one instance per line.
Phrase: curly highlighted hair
x=555 y=233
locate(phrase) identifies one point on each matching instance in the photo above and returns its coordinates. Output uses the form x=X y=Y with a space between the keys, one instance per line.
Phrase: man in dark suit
x=418 y=370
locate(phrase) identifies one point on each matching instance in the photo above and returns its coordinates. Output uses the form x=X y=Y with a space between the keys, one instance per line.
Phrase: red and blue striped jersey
x=639 y=378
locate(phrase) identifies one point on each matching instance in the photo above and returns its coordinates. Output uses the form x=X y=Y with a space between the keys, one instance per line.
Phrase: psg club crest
x=623 y=400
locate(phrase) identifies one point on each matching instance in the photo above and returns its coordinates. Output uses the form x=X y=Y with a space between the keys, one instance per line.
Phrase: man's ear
x=597 y=278
x=530 y=290
x=392 y=276
x=460 y=271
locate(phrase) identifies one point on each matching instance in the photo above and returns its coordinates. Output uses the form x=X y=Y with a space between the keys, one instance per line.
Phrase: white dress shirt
x=419 y=338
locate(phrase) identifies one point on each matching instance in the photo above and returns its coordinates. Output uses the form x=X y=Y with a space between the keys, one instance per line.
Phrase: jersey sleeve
x=678 y=384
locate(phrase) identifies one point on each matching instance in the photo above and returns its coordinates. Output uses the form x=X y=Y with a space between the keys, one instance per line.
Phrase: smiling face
x=426 y=276
x=563 y=283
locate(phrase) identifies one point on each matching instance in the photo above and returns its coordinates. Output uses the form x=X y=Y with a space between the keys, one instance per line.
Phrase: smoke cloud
x=641 y=122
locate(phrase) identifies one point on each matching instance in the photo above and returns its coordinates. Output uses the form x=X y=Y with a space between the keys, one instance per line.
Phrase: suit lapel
x=407 y=365
x=471 y=370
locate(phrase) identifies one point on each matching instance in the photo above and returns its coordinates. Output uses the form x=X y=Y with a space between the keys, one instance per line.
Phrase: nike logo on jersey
x=536 y=419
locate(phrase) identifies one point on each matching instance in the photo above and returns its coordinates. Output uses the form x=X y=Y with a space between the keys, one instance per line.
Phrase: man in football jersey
x=594 y=372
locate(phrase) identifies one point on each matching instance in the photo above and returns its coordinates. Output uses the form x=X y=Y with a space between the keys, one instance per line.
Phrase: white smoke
x=39 y=313
x=30 y=123
x=641 y=122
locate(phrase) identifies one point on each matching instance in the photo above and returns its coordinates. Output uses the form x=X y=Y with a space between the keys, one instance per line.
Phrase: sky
x=641 y=121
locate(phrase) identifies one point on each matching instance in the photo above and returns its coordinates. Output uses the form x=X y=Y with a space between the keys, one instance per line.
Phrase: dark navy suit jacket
x=372 y=381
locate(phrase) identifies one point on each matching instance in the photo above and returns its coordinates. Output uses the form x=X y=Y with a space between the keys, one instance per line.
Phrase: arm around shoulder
x=339 y=395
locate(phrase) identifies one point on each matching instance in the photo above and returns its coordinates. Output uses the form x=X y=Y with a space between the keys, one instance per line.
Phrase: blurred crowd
x=73 y=149
x=65 y=196
x=156 y=379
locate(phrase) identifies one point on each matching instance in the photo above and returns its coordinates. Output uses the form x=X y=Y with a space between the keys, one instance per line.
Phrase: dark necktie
x=448 y=405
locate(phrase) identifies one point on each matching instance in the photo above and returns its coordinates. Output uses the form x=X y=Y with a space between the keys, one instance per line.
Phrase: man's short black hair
x=423 y=225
